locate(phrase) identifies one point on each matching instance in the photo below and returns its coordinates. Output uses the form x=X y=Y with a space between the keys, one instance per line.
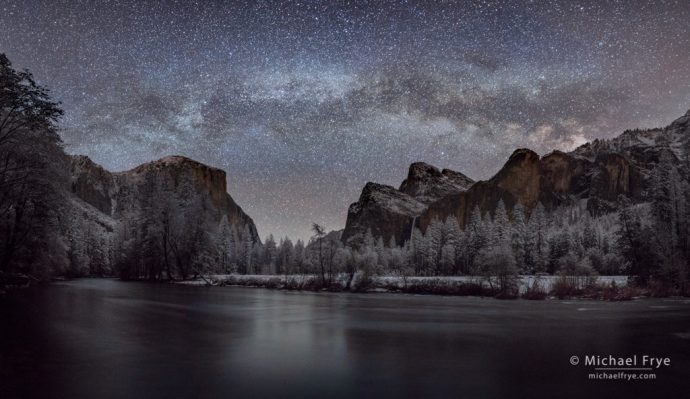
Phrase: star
x=302 y=103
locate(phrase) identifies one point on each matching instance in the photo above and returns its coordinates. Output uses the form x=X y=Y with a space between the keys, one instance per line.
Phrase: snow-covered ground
x=545 y=282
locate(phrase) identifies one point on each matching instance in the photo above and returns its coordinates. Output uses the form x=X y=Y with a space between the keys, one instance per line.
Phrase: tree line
x=175 y=236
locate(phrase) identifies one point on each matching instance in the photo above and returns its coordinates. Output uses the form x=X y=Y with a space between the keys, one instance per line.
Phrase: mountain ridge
x=598 y=172
x=103 y=189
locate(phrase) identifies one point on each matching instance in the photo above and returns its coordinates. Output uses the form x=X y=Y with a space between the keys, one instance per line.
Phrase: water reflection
x=109 y=339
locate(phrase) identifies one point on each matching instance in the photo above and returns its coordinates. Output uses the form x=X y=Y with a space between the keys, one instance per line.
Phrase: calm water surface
x=110 y=339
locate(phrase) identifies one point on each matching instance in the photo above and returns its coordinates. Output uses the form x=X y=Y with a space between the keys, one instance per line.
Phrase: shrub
x=535 y=291
x=565 y=287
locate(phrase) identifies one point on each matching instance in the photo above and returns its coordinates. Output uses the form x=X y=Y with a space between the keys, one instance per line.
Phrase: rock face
x=642 y=149
x=518 y=181
x=553 y=180
x=384 y=210
x=93 y=184
x=175 y=179
x=597 y=172
x=391 y=213
x=427 y=184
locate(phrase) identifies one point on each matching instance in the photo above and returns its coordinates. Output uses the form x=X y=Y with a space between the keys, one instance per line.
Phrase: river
x=102 y=338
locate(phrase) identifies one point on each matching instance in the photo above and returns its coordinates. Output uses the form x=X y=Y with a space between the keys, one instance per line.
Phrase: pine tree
x=270 y=255
x=300 y=258
x=635 y=241
x=285 y=259
x=519 y=238
x=434 y=243
x=589 y=234
x=234 y=248
x=559 y=246
x=477 y=238
x=454 y=237
x=223 y=245
x=319 y=234
x=537 y=226
x=418 y=251
x=668 y=213
x=501 y=223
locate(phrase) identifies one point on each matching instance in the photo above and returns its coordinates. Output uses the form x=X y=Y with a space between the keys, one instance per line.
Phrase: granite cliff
x=174 y=190
x=119 y=194
x=597 y=172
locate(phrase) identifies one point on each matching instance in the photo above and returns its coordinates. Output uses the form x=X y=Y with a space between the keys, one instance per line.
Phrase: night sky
x=304 y=102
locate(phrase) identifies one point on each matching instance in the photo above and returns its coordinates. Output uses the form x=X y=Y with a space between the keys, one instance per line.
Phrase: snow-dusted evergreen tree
x=520 y=238
x=477 y=238
x=247 y=250
x=590 y=237
x=635 y=240
x=537 y=226
x=454 y=239
x=223 y=249
x=346 y=263
x=285 y=259
x=501 y=223
x=434 y=239
x=234 y=250
x=270 y=255
x=301 y=264
x=383 y=254
x=317 y=238
x=559 y=246
x=668 y=214
x=418 y=251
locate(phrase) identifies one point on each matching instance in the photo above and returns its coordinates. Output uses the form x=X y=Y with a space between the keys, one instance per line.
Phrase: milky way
x=304 y=102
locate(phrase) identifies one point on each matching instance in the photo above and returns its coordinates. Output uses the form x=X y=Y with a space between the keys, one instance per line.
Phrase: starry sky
x=303 y=102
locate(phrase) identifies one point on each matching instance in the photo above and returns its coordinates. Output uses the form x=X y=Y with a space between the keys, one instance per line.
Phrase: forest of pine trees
x=647 y=241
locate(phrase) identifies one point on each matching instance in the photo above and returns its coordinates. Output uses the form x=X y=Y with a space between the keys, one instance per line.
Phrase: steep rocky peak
x=520 y=161
x=520 y=176
x=375 y=190
x=383 y=209
x=427 y=183
x=421 y=170
x=389 y=197
x=523 y=155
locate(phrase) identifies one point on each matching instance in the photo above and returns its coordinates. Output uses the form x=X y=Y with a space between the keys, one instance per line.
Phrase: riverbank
x=526 y=287
x=12 y=281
